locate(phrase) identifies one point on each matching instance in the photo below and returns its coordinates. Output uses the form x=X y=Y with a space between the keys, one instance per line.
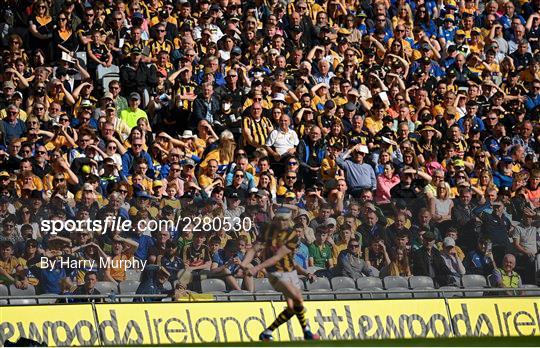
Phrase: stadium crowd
x=398 y=137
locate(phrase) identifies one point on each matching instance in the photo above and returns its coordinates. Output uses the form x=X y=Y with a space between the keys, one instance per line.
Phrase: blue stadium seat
x=267 y=295
x=3 y=292
x=320 y=294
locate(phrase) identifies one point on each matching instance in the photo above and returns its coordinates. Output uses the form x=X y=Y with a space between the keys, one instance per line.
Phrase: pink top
x=384 y=185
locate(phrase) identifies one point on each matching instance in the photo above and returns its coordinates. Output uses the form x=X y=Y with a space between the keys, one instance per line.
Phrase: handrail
x=113 y=296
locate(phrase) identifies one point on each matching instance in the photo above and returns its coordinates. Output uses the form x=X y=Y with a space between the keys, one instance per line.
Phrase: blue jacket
x=128 y=159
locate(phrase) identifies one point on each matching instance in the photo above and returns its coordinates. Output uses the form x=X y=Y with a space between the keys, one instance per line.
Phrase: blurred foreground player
x=278 y=243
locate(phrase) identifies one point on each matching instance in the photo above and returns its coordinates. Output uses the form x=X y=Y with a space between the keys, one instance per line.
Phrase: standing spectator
x=311 y=153
x=496 y=227
x=525 y=236
x=256 y=128
x=358 y=174
x=206 y=106
x=132 y=114
x=13 y=127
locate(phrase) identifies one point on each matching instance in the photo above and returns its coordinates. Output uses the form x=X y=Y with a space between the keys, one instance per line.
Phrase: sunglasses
x=239 y=176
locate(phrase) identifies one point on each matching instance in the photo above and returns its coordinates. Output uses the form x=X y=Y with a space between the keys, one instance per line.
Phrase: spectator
x=451 y=259
x=505 y=276
x=132 y=114
x=525 y=237
x=350 y=263
x=359 y=175
x=153 y=282
x=320 y=252
x=496 y=227
x=376 y=254
x=427 y=261
x=88 y=288
x=399 y=264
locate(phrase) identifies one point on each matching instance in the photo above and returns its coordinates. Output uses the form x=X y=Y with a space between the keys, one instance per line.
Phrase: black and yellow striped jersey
x=156 y=47
x=128 y=45
x=186 y=88
x=272 y=239
x=259 y=129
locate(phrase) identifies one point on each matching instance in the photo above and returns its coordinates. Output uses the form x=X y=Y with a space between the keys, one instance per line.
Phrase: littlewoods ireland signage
x=169 y=323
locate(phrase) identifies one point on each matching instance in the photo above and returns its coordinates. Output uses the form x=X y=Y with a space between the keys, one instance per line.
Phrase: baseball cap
x=283 y=213
x=136 y=50
x=235 y=194
x=290 y=195
x=4 y=174
x=86 y=103
x=460 y=32
x=448 y=241
x=134 y=95
x=188 y=162
x=329 y=222
x=9 y=84
x=349 y=107
x=236 y=50
x=157 y=183
x=88 y=187
x=107 y=95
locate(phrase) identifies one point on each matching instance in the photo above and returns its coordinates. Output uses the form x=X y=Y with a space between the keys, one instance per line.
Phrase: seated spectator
x=450 y=257
x=88 y=288
x=350 y=263
x=427 y=261
x=196 y=256
x=153 y=281
x=320 y=251
x=226 y=264
x=453 y=233
x=505 y=276
x=376 y=254
x=399 y=264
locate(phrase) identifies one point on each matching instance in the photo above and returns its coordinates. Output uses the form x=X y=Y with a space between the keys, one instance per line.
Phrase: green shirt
x=320 y=255
x=130 y=117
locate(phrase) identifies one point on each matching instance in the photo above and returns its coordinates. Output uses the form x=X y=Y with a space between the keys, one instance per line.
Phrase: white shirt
x=282 y=141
